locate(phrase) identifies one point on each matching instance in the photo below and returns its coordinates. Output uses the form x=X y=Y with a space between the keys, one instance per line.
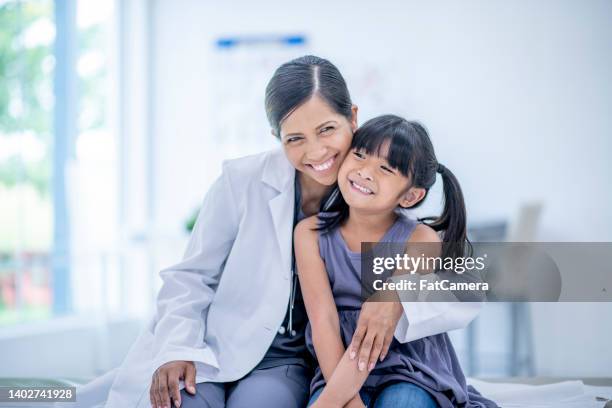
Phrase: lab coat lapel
x=280 y=174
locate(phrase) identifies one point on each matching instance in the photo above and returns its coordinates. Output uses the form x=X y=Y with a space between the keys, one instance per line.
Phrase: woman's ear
x=354 y=110
x=412 y=197
x=273 y=132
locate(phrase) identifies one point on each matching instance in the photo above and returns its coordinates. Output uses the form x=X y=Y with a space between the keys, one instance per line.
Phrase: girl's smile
x=360 y=188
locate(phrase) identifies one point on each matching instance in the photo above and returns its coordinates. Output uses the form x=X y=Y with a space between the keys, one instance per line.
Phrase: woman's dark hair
x=411 y=152
x=296 y=81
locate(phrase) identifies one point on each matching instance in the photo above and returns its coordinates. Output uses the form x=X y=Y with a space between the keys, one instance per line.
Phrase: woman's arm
x=187 y=291
x=187 y=288
x=378 y=320
x=423 y=319
x=322 y=313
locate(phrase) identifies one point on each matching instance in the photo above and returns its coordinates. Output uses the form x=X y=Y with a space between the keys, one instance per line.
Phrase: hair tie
x=441 y=169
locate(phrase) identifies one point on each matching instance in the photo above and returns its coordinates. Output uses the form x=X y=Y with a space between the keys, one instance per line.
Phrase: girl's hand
x=356 y=402
x=374 y=333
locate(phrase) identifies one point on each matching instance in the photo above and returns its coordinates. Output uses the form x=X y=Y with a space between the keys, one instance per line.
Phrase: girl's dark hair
x=411 y=152
x=296 y=81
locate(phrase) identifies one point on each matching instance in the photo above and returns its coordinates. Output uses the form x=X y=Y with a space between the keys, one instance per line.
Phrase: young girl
x=391 y=165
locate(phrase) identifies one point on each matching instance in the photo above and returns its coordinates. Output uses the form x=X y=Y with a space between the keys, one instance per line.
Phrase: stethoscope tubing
x=293 y=288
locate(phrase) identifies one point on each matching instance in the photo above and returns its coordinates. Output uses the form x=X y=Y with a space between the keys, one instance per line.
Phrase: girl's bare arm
x=344 y=384
x=322 y=313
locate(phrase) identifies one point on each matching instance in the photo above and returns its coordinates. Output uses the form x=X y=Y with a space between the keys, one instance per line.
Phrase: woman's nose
x=317 y=153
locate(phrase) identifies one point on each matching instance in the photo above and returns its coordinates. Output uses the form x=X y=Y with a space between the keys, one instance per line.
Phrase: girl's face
x=316 y=139
x=367 y=182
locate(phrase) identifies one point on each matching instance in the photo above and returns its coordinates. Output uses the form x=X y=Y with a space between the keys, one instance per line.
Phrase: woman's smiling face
x=316 y=139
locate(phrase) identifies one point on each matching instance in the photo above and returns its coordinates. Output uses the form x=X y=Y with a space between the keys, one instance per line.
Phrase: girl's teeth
x=323 y=166
x=361 y=188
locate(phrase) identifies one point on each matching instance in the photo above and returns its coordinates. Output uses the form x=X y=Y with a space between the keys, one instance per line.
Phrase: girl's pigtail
x=333 y=212
x=453 y=220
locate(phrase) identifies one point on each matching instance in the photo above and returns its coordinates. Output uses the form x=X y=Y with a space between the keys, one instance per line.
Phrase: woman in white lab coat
x=229 y=315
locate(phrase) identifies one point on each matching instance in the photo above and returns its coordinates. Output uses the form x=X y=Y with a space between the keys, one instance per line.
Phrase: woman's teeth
x=324 y=166
x=363 y=189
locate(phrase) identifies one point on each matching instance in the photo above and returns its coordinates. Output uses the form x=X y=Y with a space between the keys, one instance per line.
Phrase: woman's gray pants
x=285 y=386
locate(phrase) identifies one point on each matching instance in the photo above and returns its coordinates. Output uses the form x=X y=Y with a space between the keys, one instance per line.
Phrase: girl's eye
x=358 y=155
x=387 y=169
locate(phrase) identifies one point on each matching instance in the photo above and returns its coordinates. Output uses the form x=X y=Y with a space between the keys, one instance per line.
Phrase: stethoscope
x=282 y=329
x=293 y=288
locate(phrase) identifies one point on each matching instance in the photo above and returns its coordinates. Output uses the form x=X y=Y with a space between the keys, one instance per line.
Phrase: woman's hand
x=374 y=333
x=165 y=383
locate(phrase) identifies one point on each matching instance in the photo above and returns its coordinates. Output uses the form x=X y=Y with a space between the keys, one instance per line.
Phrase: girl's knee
x=403 y=395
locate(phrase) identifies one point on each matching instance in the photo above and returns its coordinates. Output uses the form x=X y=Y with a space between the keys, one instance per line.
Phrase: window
x=26 y=120
x=57 y=155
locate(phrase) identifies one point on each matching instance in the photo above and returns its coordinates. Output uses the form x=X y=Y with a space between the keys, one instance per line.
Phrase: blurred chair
x=521 y=359
x=522 y=228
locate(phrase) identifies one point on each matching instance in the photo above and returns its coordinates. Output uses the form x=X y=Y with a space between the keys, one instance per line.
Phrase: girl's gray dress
x=430 y=362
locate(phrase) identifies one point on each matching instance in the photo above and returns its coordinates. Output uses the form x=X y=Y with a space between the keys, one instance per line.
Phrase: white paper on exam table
x=566 y=394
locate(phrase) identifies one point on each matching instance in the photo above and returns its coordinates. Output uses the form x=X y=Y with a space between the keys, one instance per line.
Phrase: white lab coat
x=223 y=304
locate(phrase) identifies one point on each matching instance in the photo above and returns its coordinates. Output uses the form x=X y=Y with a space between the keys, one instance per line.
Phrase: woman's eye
x=327 y=129
x=293 y=139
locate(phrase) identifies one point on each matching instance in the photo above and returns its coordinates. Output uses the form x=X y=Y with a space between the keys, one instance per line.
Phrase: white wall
x=516 y=95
